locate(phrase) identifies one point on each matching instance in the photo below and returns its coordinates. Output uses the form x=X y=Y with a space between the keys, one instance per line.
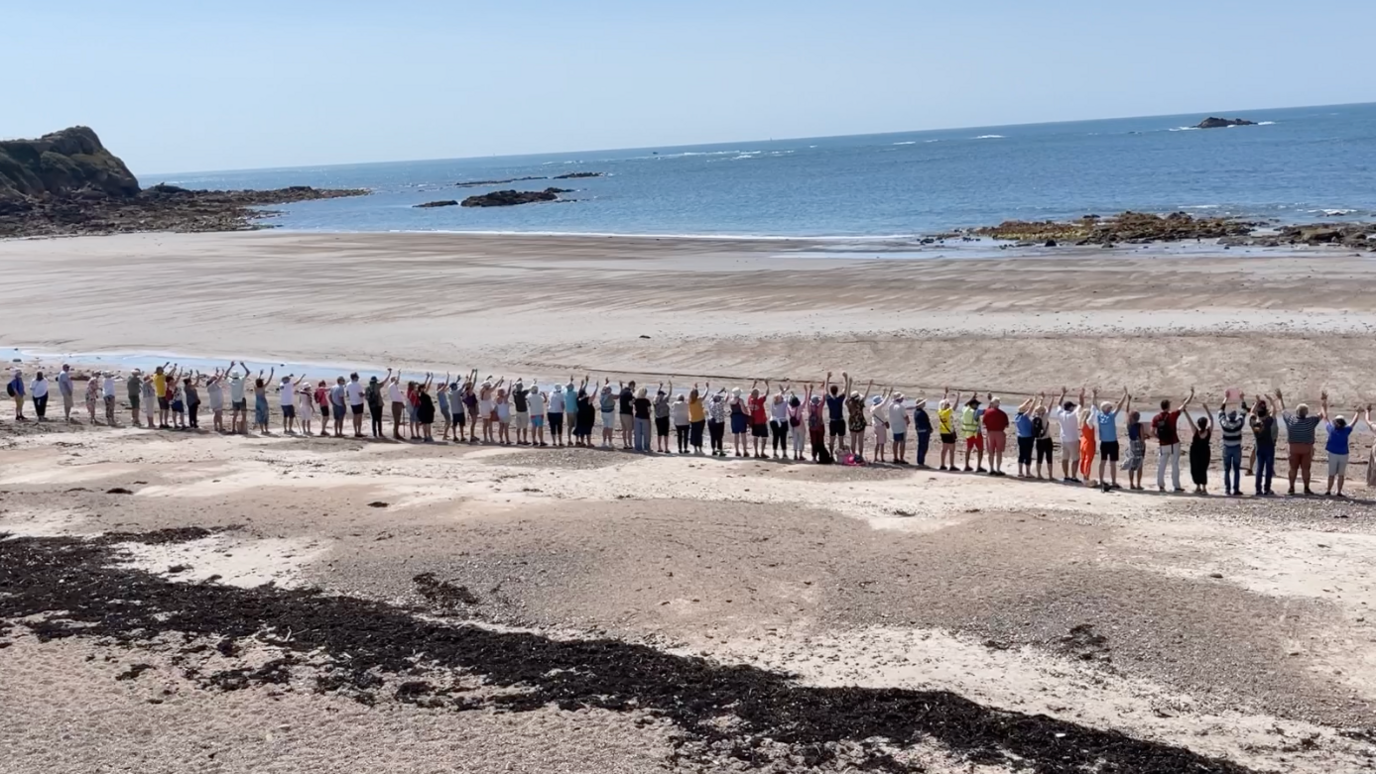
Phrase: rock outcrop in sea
x=1126 y=227
x=577 y=175
x=440 y=203
x=67 y=183
x=1213 y=122
x=511 y=198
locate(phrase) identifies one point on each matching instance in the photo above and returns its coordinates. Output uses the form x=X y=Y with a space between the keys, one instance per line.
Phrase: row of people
x=836 y=421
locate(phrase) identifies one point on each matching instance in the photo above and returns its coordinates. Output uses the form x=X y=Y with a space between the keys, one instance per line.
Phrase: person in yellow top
x=697 y=417
x=946 y=429
x=971 y=425
x=160 y=377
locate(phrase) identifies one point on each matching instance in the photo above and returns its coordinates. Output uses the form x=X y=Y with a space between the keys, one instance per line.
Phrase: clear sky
x=191 y=85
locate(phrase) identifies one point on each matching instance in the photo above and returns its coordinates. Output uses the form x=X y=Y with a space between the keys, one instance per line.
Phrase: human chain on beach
x=832 y=423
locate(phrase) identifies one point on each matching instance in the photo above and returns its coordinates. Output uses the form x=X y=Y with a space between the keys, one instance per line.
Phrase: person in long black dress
x=1199 y=450
x=425 y=409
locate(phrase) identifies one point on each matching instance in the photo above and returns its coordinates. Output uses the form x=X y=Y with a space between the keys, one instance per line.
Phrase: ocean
x=1298 y=165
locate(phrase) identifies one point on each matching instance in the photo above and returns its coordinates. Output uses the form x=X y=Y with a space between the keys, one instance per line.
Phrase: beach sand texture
x=1232 y=634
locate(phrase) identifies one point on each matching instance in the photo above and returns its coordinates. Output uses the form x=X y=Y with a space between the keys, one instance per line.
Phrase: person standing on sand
x=716 y=422
x=238 y=406
x=442 y=397
x=149 y=401
x=521 y=412
x=286 y=398
x=555 y=413
x=995 y=422
x=1106 y=422
x=372 y=395
x=1339 y=434
x=321 y=394
x=501 y=413
x=740 y=420
x=1165 y=427
x=626 y=405
x=855 y=410
x=398 y=403
x=193 y=400
x=797 y=424
x=970 y=423
x=1068 y=417
x=1022 y=425
x=92 y=396
x=946 y=428
x=1299 y=432
x=898 y=428
x=662 y=418
x=161 y=377
x=678 y=416
x=66 y=390
x=38 y=392
x=641 y=429
x=305 y=407
x=339 y=400
x=353 y=391
x=759 y=419
x=470 y=404
x=107 y=391
x=1264 y=431
x=607 y=401
x=15 y=389
x=697 y=418
x=1042 y=443
x=535 y=404
x=836 y=400
x=1137 y=450
x=133 y=389
x=1087 y=444
x=778 y=424
x=922 y=424
x=260 y=401
x=879 y=421
x=1199 y=448
x=1230 y=423
x=425 y=410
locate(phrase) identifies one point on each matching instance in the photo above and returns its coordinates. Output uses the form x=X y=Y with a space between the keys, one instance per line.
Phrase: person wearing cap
x=898 y=428
x=133 y=390
x=15 y=389
x=971 y=423
x=856 y=422
x=238 y=404
x=107 y=392
x=995 y=422
x=879 y=420
x=1339 y=433
x=1068 y=417
x=68 y=393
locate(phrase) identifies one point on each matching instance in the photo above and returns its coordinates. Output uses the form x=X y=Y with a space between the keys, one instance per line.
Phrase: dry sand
x=1233 y=629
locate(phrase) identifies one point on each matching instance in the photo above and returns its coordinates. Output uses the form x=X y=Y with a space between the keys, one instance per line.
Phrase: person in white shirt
x=535 y=405
x=397 y=400
x=238 y=408
x=1068 y=416
x=39 y=392
x=215 y=395
x=898 y=428
x=879 y=421
x=107 y=391
x=353 y=391
x=65 y=388
x=286 y=393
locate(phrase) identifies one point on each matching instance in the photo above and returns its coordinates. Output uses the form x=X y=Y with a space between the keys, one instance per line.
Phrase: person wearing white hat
x=133 y=390
x=67 y=391
x=898 y=428
x=879 y=418
x=238 y=405
x=92 y=396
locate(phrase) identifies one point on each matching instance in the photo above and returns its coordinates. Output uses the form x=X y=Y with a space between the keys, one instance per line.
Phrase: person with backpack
x=1163 y=426
x=15 y=389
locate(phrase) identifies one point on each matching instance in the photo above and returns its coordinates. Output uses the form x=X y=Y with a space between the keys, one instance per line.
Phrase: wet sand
x=1232 y=630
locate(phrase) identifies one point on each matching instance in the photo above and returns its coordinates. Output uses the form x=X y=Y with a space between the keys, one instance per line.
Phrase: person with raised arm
x=1263 y=426
x=455 y=428
x=778 y=424
x=1339 y=442
x=626 y=412
x=678 y=417
x=238 y=404
x=425 y=409
x=697 y=416
x=286 y=399
x=879 y=421
x=535 y=404
x=1202 y=431
x=856 y=421
x=260 y=401
x=717 y=415
x=662 y=412
x=1230 y=423
x=1022 y=425
x=321 y=394
x=470 y=404
x=501 y=411
x=148 y=399
x=1068 y=417
x=133 y=391
x=396 y=401
x=1300 y=428
x=922 y=427
x=946 y=429
x=1106 y=423
x=305 y=406
x=339 y=405
x=191 y=387
x=1165 y=426
x=1042 y=443
x=375 y=397
x=835 y=397
x=995 y=422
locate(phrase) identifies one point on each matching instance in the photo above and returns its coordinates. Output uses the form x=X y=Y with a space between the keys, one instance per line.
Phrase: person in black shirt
x=626 y=399
x=1264 y=429
x=641 y=408
x=518 y=401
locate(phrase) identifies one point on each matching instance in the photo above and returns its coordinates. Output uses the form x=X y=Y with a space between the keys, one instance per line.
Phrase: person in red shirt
x=1164 y=428
x=996 y=431
x=759 y=418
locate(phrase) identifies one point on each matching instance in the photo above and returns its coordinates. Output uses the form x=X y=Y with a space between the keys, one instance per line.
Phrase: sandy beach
x=281 y=603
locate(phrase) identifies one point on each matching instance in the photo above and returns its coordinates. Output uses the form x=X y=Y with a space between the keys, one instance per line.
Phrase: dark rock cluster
x=510 y=198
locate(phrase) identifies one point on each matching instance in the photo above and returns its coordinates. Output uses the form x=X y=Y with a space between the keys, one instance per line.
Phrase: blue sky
x=183 y=86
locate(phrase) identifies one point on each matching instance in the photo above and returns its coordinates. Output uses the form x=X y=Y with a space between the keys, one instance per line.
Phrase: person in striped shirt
x=1299 y=432
x=1230 y=424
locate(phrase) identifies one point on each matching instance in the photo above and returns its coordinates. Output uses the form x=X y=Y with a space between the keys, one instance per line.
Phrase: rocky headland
x=68 y=184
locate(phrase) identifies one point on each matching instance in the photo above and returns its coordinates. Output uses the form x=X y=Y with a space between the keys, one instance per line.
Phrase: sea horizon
x=1297 y=165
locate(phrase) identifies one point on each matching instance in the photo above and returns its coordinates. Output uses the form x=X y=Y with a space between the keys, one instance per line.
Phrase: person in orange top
x=1087 y=445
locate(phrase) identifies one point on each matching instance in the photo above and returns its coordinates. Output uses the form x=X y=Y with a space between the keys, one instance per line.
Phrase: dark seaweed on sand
x=74 y=583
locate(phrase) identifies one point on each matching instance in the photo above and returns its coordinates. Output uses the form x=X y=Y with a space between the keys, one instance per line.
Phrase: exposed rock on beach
x=510 y=198
x=67 y=183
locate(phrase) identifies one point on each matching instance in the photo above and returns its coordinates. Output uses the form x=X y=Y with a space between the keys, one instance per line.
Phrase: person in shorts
x=1137 y=450
x=946 y=431
x=835 y=397
x=627 y=413
x=1105 y=418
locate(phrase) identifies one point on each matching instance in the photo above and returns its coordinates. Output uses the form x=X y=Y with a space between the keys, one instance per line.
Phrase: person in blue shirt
x=1106 y=423
x=1338 y=446
x=15 y=389
x=1022 y=422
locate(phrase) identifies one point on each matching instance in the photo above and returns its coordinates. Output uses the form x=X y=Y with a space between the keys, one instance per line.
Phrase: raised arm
x=1323 y=406
x=1280 y=402
x=1117 y=407
x=1025 y=406
x=826 y=383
